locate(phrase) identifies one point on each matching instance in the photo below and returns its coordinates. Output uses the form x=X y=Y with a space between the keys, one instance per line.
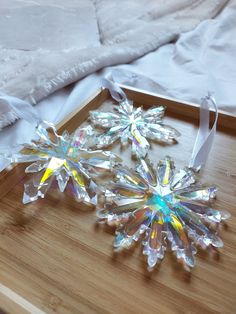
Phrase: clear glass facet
x=133 y=124
x=66 y=158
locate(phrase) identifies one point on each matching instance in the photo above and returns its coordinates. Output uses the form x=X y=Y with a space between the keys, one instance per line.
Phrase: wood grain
x=56 y=259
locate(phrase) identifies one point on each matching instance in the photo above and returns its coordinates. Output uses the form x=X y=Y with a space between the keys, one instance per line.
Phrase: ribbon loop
x=116 y=92
x=205 y=136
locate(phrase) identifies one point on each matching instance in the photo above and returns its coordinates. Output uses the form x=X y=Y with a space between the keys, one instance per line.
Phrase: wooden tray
x=55 y=259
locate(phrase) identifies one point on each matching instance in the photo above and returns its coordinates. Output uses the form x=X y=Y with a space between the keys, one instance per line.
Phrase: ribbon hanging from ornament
x=116 y=92
x=205 y=136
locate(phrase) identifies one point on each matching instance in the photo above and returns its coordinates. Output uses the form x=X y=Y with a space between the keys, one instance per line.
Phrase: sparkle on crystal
x=129 y=123
x=165 y=205
x=64 y=157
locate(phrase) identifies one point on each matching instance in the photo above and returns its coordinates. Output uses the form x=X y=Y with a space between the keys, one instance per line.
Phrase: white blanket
x=47 y=44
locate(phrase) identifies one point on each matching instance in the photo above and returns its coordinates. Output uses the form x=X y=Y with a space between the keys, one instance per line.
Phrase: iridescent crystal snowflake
x=129 y=123
x=63 y=157
x=165 y=205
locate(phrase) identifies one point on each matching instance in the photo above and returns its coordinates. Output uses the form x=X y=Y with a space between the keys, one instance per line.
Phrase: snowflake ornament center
x=158 y=204
x=133 y=120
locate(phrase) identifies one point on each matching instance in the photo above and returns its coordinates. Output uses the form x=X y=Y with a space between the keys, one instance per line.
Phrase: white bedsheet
x=200 y=61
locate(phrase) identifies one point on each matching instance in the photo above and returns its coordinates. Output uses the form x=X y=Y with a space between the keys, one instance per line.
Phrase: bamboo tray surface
x=54 y=258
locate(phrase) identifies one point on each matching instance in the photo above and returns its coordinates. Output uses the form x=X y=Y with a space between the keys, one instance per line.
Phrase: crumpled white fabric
x=201 y=61
x=48 y=44
x=171 y=70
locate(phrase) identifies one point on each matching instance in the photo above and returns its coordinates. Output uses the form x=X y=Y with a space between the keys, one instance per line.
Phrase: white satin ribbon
x=205 y=136
x=22 y=109
x=116 y=92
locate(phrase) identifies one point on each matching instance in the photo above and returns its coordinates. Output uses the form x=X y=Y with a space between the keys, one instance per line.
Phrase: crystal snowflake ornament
x=63 y=157
x=128 y=123
x=166 y=206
